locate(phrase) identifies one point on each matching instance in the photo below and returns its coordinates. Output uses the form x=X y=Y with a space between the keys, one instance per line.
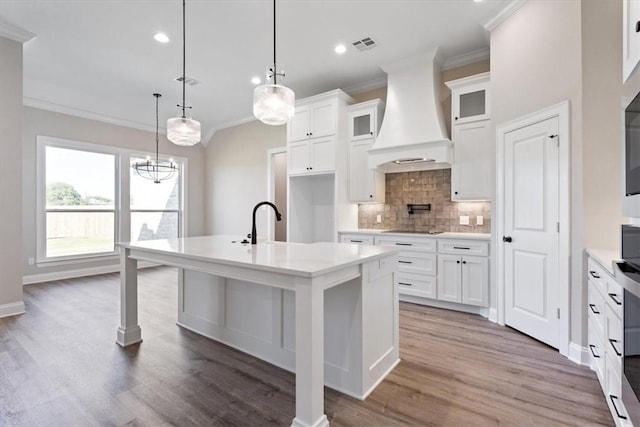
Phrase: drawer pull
x=405 y=284
x=613 y=342
x=593 y=274
x=462 y=247
x=613 y=402
x=615 y=299
x=592 y=307
x=404 y=244
x=355 y=241
x=591 y=347
x=405 y=262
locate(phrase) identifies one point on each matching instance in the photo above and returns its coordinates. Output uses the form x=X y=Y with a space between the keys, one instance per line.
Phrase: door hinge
x=558 y=227
x=558 y=313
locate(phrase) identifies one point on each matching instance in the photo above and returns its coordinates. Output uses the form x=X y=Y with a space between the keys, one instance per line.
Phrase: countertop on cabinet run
x=445 y=235
x=300 y=259
x=605 y=257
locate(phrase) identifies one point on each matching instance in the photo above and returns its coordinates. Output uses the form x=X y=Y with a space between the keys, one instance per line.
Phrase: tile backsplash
x=433 y=187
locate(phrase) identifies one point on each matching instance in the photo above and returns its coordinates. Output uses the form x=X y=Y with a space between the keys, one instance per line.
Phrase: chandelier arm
x=275 y=71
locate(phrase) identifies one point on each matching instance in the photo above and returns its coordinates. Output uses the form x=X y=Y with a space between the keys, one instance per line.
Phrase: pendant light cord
x=184 y=57
x=275 y=71
x=157 y=166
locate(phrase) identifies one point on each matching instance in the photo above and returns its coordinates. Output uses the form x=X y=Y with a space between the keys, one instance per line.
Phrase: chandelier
x=156 y=170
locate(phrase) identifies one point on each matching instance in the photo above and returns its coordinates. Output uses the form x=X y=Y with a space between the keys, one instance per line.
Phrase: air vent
x=366 y=43
x=187 y=80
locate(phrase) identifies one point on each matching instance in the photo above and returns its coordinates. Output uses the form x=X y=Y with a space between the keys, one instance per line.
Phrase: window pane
x=145 y=194
x=78 y=233
x=79 y=179
x=154 y=225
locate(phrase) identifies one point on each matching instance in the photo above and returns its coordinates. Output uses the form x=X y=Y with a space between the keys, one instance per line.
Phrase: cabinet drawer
x=361 y=239
x=463 y=247
x=597 y=275
x=614 y=296
x=613 y=391
x=417 y=262
x=614 y=337
x=416 y=284
x=408 y=243
x=596 y=308
x=596 y=350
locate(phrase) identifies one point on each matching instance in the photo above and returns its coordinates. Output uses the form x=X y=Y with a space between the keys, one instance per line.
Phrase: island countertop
x=300 y=259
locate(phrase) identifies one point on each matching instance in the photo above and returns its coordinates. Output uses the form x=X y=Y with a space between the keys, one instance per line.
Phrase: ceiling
x=97 y=58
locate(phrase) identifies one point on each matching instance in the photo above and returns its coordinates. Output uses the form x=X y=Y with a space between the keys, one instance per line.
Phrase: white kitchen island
x=326 y=311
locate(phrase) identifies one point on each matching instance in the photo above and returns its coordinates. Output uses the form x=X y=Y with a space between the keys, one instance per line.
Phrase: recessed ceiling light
x=477 y=1
x=256 y=80
x=340 y=49
x=161 y=37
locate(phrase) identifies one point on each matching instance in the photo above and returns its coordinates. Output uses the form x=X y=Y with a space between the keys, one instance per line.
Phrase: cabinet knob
x=458 y=262
x=464 y=262
x=371 y=133
x=371 y=196
x=455 y=192
x=507 y=239
x=638 y=27
x=455 y=118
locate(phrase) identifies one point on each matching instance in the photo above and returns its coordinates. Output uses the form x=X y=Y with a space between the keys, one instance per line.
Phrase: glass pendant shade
x=273 y=104
x=183 y=131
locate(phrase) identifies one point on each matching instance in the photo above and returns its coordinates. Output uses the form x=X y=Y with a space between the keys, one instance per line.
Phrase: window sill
x=79 y=260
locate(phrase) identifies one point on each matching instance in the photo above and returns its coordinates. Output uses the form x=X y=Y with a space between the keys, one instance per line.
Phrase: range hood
x=413 y=135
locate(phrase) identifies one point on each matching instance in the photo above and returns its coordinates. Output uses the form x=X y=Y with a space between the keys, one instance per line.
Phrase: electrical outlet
x=479 y=220
x=464 y=219
x=378 y=218
x=32 y=261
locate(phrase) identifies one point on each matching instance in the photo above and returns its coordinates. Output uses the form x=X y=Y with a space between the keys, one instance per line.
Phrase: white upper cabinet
x=314 y=120
x=472 y=136
x=630 y=37
x=365 y=185
x=469 y=98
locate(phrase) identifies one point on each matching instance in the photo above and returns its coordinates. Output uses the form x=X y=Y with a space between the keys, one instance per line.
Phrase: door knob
x=507 y=239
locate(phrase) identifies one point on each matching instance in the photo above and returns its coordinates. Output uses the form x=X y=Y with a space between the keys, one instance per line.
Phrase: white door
x=323 y=120
x=475 y=281
x=361 y=178
x=449 y=278
x=299 y=158
x=531 y=238
x=471 y=176
x=323 y=155
x=300 y=124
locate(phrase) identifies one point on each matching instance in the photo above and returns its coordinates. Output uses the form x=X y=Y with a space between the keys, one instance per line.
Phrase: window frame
x=122 y=209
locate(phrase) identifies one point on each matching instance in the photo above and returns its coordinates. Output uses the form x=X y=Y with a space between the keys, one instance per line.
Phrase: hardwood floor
x=60 y=366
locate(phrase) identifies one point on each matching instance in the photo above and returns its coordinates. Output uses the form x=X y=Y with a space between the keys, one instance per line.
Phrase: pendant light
x=273 y=104
x=156 y=170
x=183 y=130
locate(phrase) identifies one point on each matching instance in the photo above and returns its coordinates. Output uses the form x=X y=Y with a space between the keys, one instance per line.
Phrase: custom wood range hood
x=413 y=135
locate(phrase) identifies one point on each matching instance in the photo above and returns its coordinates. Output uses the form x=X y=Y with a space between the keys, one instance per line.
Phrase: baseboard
x=481 y=311
x=12 y=309
x=80 y=272
x=578 y=354
x=493 y=315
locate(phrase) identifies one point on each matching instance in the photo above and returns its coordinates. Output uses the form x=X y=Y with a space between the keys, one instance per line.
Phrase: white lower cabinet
x=605 y=336
x=463 y=279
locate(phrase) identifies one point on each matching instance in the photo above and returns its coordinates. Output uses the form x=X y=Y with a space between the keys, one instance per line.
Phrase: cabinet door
x=470 y=103
x=362 y=180
x=475 y=281
x=471 y=172
x=323 y=155
x=299 y=127
x=449 y=279
x=362 y=124
x=299 y=158
x=630 y=37
x=323 y=120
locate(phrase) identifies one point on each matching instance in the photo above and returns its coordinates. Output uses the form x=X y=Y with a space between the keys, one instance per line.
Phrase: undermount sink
x=413 y=231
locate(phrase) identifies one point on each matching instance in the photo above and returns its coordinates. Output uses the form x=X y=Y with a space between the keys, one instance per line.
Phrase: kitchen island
x=326 y=311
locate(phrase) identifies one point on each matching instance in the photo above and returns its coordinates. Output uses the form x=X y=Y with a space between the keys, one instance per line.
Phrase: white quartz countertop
x=446 y=235
x=605 y=257
x=299 y=259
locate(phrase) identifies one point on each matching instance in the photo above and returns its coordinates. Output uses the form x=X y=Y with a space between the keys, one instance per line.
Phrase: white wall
x=42 y=122
x=10 y=177
x=236 y=176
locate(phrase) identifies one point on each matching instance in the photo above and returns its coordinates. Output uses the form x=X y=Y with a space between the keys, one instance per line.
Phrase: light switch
x=464 y=219
x=479 y=220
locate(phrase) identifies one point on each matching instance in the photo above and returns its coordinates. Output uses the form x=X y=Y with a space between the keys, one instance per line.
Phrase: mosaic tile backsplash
x=433 y=187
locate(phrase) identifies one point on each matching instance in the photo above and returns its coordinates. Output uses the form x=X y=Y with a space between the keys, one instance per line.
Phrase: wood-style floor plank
x=60 y=366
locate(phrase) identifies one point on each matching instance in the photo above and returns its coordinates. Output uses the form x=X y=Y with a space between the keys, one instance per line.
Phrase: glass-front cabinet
x=470 y=98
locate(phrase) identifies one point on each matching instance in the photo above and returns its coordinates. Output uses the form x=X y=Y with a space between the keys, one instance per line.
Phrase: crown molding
x=366 y=86
x=465 y=59
x=505 y=13
x=13 y=32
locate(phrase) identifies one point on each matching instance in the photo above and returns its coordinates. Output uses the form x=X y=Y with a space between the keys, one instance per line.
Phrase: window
x=80 y=200
x=89 y=198
x=155 y=208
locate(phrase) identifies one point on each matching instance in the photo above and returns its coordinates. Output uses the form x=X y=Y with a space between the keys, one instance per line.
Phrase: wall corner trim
x=13 y=32
x=578 y=354
x=505 y=13
x=465 y=59
x=12 y=309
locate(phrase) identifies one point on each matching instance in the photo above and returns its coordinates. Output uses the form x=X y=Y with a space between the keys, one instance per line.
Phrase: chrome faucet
x=254 y=233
